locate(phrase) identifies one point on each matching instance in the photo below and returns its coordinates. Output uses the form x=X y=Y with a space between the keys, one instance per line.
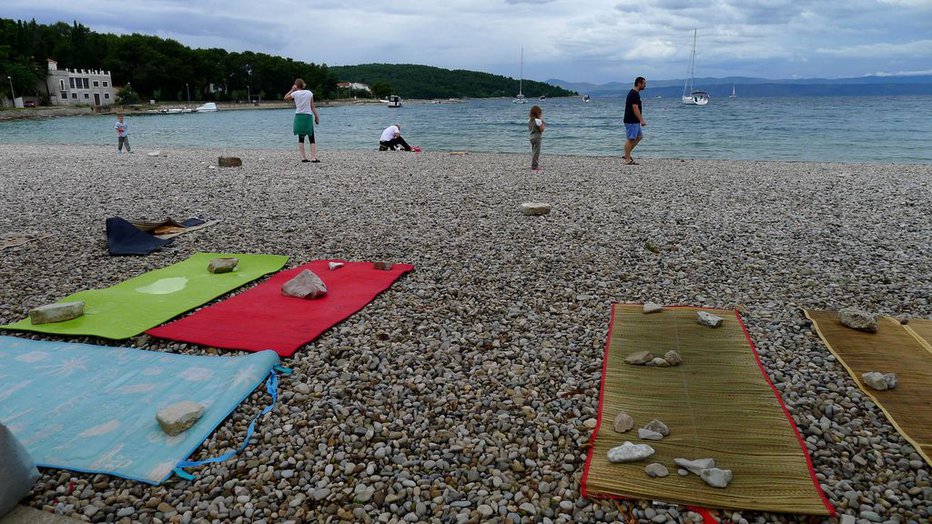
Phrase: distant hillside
x=745 y=86
x=421 y=81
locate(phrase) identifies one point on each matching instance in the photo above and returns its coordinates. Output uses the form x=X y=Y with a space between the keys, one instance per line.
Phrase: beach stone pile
x=464 y=392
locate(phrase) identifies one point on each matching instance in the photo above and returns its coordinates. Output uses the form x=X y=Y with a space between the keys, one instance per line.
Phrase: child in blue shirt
x=122 y=131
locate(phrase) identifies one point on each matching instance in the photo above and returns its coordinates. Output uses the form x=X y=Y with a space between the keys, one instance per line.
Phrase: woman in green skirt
x=305 y=116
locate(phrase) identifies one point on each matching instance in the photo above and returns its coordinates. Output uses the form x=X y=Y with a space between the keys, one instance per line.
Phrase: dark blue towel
x=124 y=238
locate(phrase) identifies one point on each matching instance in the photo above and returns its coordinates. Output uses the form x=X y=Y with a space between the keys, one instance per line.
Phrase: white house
x=354 y=86
x=78 y=86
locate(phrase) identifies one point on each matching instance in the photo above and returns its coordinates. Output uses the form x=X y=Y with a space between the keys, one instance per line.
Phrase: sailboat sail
x=690 y=96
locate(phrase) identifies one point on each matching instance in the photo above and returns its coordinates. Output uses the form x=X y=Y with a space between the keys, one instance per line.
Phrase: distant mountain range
x=761 y=87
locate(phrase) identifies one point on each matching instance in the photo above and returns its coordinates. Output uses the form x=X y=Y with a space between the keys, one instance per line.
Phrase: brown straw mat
x=717 y=404
x=922 y=329
x=892 y=349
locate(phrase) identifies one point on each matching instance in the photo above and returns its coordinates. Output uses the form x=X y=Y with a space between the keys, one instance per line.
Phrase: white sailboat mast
x=688 y=86
x=521 y=75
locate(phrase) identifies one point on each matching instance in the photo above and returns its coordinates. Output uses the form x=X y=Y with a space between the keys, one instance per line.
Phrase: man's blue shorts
x=633 y=131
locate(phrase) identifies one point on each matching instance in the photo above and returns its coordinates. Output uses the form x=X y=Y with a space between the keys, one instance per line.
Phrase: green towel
x=131 y=307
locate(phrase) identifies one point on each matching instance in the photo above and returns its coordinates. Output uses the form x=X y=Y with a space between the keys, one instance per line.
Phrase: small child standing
x=536 y=126
x=122 y=131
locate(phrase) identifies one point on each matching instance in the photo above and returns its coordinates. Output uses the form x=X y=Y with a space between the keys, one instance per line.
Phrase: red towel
x=262 y=318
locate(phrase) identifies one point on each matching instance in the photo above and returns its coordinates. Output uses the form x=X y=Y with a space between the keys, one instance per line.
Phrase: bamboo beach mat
x=718 y=404
x=904 y=350
x=921 y=329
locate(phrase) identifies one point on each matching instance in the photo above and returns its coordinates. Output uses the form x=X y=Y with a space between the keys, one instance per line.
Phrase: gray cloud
x=604 y=40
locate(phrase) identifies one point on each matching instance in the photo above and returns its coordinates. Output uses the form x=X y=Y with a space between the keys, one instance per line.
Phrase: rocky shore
x=38 y=113
x=469 y=390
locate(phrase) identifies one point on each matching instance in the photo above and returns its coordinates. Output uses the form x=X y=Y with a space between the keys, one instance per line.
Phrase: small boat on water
x=209 y=107
x=733 y=93
x=542 y=98
x=693 y=98
x=394 y=101
x=173 y=110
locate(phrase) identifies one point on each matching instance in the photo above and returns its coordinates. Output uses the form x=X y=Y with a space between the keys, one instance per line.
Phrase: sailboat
x=733 y=94
x=691 y=97
x=519 y=98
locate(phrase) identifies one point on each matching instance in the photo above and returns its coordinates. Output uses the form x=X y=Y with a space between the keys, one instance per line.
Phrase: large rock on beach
x=651 y=307
x=639 y=358
x=858 y=319
x=656 y=469
x=658 y=426
x=623 y=422
x=708 y=319
x=177 y=418
x=59 y=312
x=715 y=477
x=629 y=452
x=535 y=208
x=649 y=434
x=695 y=466
x=305 y=285
x=222 y=265
x=229 y=161
x=673 y=358
x=879 y=381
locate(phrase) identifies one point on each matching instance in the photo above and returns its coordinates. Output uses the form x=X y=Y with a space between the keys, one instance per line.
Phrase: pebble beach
x=468 y=391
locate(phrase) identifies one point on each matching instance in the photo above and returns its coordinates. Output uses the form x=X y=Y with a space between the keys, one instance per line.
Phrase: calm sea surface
x=844 y=129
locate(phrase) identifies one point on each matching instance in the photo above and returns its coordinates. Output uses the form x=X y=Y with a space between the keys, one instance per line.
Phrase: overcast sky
x=592 y=41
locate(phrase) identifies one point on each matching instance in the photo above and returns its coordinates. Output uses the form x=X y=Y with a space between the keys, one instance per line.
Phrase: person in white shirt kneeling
x=391 y=139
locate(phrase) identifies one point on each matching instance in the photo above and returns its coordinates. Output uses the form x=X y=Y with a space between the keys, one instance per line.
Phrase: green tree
x=420 y=81
x=381 y=89
x=126 y=96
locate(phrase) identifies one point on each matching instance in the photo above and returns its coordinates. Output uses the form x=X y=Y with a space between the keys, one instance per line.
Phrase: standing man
x=303 y=126
x=122 y=131
x=634 y=119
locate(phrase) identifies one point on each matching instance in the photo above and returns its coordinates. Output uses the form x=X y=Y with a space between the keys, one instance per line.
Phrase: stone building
x=78 y=86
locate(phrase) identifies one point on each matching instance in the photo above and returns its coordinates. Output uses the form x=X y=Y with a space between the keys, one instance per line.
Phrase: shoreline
x=40 y=112
x=460 y=369
x=261 y=152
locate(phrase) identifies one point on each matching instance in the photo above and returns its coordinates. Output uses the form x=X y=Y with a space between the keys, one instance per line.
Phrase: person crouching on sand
x=303 y=123
x=536 y=126
x=391 y=138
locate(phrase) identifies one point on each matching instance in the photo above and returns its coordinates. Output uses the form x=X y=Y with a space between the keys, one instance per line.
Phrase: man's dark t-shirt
x=634 y=97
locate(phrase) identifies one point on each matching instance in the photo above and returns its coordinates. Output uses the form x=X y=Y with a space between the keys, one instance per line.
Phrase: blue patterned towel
x=92 y=408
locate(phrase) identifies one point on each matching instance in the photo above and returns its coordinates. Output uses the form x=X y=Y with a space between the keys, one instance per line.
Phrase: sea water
x=844 y=129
